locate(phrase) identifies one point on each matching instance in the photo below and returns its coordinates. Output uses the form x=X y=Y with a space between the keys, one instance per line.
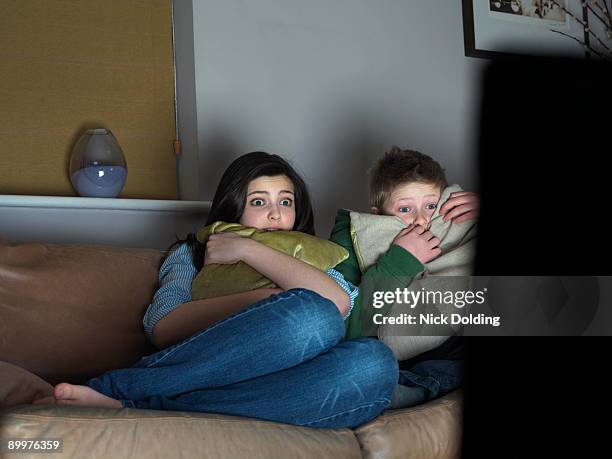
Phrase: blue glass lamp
x=97 y=165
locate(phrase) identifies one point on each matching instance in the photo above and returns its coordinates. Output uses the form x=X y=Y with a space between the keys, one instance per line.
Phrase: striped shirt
x=176 y=275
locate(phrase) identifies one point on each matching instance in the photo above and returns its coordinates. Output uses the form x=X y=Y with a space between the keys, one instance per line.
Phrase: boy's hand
x=420 y=242
x=226 y=248
x=460 y=207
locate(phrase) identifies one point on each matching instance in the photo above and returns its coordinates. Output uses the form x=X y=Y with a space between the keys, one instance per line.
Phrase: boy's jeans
x=425 y=381
x=280 y=359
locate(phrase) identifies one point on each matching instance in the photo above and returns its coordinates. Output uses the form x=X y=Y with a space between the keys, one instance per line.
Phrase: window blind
x=71 y=65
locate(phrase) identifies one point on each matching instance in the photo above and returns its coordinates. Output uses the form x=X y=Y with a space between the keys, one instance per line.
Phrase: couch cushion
x=132 y=433
x=69 y=313
x=429 y=431
x=20 y=386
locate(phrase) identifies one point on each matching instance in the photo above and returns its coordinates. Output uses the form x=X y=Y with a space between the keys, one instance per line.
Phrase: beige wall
x=330 y=85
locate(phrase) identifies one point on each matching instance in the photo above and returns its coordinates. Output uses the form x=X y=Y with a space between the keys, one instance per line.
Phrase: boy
x=406 y=184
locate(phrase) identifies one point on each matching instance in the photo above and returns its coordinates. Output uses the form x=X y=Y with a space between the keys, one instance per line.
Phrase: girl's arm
x=191 y=317
x=284 y=270
x=172 y=316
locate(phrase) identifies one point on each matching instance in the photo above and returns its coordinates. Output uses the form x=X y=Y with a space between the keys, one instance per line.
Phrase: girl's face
x=270 y=204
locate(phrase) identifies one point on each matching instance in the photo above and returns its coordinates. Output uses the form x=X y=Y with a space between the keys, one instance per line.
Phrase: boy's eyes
x=405 y=210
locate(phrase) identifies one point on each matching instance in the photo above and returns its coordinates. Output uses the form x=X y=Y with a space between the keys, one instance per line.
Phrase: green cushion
x=216 y=280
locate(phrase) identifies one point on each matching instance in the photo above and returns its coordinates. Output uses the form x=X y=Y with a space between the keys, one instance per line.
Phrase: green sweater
x=393 y=270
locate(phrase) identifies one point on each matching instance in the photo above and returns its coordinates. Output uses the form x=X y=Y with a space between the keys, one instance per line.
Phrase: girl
x=274 y=354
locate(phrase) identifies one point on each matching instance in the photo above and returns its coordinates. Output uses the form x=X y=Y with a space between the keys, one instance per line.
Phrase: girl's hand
x=460 y=207
x=226 y=248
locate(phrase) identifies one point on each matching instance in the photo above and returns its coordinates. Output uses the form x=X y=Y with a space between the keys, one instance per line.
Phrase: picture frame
x=500 y=28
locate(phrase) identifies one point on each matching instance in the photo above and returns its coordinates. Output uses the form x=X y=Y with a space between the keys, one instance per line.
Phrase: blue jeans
x=425 y=381
x=281 y=359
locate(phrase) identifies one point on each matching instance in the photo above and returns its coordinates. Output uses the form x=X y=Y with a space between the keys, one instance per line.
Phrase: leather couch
x=68 y=313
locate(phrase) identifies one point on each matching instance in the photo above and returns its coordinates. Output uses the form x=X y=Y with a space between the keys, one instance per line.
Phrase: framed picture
x=495 y=28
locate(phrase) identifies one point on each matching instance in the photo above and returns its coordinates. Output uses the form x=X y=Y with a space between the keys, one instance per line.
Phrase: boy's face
x=414 y=203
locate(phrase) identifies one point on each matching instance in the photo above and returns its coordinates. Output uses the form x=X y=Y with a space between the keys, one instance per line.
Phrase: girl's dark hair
x=230 y=197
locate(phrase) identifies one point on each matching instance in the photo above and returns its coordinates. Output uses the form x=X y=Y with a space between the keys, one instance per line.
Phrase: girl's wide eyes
x=260 y=202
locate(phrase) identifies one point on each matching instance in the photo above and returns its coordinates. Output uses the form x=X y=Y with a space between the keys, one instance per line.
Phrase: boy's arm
x=394 y=269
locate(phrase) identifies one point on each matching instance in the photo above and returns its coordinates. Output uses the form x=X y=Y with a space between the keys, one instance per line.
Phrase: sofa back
x=69 y=313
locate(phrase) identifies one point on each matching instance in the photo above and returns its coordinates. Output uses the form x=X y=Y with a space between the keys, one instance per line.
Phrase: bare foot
x=71 y=394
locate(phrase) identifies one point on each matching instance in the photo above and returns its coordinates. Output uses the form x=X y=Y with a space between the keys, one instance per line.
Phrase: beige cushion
x=429 y=431
x=133 y=433
x=70 y=313
x=20 y=386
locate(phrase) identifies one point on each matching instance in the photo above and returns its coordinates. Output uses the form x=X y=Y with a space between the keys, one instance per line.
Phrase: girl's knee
x=316 y=315
x=305 y=322
x=378 y=365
